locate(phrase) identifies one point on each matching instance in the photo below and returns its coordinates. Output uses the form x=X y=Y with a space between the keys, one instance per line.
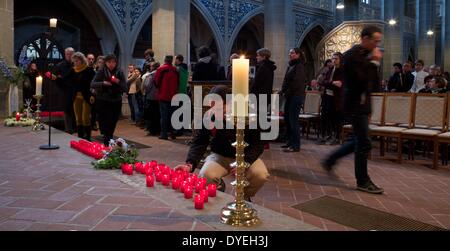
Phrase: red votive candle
x=199 y=202
x=150 y=181
x=176 y=184
x=159 y=177
x=184 y=184
x=149 y=171
x=188 y=192
x=212 y=190
x=17 y=116
x=204 y=194
x=166 y=180
x=129 y=169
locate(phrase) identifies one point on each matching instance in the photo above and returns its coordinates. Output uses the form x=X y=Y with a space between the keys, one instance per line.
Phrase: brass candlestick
x=38 y=126
x=239 y=213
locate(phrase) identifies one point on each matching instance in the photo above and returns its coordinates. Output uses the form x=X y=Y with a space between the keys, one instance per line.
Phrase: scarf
x=80 y=68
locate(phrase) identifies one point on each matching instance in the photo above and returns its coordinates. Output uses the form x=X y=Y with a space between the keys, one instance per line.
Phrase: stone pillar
x=171 y=28
x=7 y=30
x=426 y=21
x=446 y=35
x=393 y=39
x=6 y=49
x=351 y=11
x=279 y=34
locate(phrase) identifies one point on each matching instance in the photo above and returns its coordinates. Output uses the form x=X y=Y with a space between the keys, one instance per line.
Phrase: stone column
x=171 y=28
x=7 y=30
x=393 y=39
x=279 y=34
x=446 y=35
x=426 y=21
x=6 y=49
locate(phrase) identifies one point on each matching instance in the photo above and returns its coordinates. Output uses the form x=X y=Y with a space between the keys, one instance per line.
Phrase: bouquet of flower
x=121 y=153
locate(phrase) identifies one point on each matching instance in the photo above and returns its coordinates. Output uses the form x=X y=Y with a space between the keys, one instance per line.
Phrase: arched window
x=41 y=47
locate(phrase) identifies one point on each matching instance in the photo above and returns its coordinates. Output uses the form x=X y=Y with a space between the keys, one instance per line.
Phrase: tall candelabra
x=38 y=126
x=239 y=213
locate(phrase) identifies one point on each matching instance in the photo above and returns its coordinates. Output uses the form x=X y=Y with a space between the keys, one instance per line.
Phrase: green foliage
x=116 y=158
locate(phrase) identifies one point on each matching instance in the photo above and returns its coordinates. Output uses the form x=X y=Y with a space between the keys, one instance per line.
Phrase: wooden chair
x=377 y=115
x=311 y=110
x=429 y=121
x=397 y=111
x=443 y=138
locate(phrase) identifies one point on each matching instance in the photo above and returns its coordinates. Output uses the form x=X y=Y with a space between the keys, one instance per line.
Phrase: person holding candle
x=61 y=76
x=217 y=164
x=80 y=78
x=29 y=89
x=109 y=84
x=294 y=92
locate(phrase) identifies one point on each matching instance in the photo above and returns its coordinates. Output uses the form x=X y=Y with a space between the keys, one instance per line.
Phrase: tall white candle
x=53 y=22
x=39 y=85
x=241 y=70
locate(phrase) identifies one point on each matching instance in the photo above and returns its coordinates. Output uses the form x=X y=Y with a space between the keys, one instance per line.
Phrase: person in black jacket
x=62 y=71
x=110 y=84
x=205 y=69
x=223 y=153
x=360 y=75
x=262 y=84
x=294 y=90
x=80 y=78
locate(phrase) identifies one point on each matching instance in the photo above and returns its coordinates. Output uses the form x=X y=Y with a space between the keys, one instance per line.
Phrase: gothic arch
x=105 y=28
x=148 y=12
x=311 y=27
x=240 y=25
x=214 y=27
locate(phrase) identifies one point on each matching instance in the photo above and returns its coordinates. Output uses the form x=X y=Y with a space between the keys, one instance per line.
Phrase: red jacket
x=167 y=81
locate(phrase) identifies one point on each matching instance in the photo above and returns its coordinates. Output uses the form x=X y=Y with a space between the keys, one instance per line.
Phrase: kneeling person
x=217 y=164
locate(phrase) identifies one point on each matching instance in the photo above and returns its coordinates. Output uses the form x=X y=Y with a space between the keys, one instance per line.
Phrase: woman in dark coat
x=110 y=84
x=262 y=84
x=80 y=79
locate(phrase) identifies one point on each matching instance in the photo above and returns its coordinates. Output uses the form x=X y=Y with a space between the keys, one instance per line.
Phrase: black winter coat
x=222 y=143
x=81 y=82
x=63 y=70
x=109 y=93
x=294 y=83
x=263 y=81
x=360 y=76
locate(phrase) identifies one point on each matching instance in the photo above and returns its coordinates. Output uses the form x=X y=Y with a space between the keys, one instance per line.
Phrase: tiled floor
x=413 y=190
x=61 y=191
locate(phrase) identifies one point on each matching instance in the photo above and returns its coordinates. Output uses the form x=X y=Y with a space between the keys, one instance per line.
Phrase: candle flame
x=243 y=57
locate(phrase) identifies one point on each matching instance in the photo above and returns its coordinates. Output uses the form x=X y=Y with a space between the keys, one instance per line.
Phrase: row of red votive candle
x=179 y=181
x=91 y=149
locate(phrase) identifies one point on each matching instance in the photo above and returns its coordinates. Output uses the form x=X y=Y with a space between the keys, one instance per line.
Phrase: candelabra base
x=38 y=127
x=246 y=217
x=49 y=147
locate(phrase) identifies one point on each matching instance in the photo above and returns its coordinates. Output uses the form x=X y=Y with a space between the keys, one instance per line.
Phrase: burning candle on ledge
x=188 y=192
x=212 y=190
x=199 y=202
x=241 y=72
x=39 y=86
x=17 y=116
x=166 y=180
x=150 y=181
x=204 y=194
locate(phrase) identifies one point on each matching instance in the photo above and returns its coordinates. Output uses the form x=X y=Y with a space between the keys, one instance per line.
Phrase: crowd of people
x=94 y=87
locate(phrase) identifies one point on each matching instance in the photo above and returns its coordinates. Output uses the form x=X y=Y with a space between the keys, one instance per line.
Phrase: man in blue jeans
x=361 y=65
x=294 y=91
x=167 y=83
